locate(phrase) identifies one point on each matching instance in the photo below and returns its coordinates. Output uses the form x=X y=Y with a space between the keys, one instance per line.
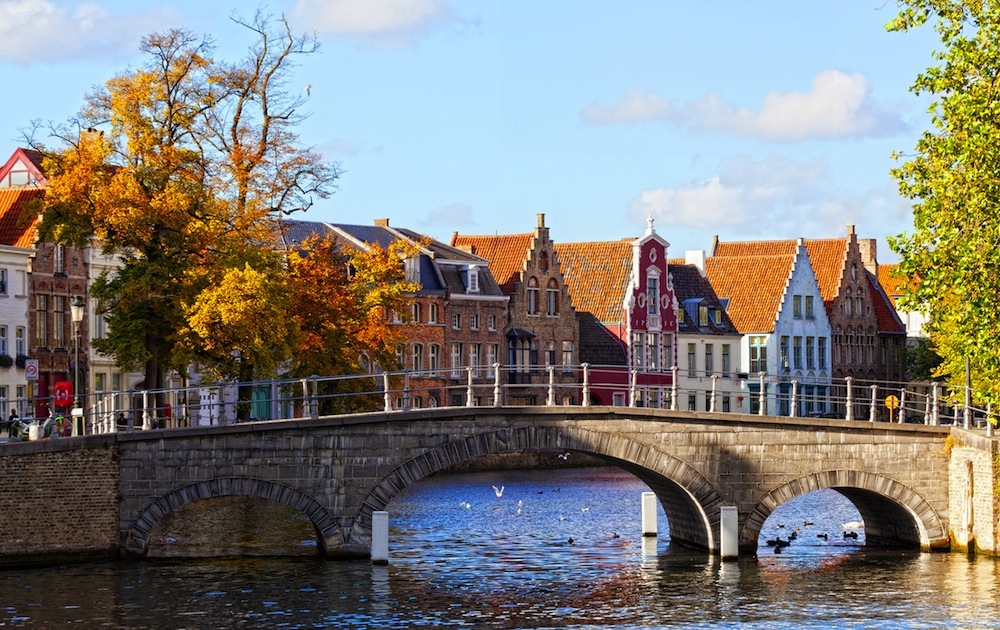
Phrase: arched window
x=532 y=296
x=552 y=298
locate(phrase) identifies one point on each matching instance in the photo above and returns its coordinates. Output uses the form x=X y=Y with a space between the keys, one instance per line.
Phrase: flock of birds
x=779 y=543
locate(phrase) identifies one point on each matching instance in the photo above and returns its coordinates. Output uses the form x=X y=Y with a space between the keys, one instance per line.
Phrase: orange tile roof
x=596 y=276
x=828 y=256
x=17 y=217
x=886 y=316
x=754 y=286
x=506 y=255
x=892 y=281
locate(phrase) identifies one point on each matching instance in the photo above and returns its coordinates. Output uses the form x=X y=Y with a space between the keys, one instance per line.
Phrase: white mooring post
x=380 y=538
x=585 y=398
x=728 y=533
x=649 y=514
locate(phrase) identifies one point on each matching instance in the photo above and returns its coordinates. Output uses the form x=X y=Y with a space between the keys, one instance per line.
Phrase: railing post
x=470 y=394
x=551 y=399
x=794 y=406
x=497 y=391
x=849 y=412
x=314 y=397
x=989 y=419
x=585 y=396
x=935 y=411
x=673 y=388
x=902 y=406
x=967 y=412
x=145 y=411
x=715 y=387
x=762 y=397
x=386 y=396
x=631 y=387
x=406 y=390
x=306 y=411
x=927 y=409
x=873 y=408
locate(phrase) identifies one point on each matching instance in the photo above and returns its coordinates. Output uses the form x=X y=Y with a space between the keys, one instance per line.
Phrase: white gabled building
x=775 y=302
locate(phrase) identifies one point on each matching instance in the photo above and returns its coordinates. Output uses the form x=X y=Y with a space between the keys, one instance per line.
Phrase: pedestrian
x=10 y=422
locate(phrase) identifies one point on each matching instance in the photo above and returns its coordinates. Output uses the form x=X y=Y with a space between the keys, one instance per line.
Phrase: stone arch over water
x=690 y=501
x=894 y=514
x=327 y=531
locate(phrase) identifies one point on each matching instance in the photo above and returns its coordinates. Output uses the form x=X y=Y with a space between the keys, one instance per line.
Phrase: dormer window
x=703 y=315
x=472 y=281
x=412 y=267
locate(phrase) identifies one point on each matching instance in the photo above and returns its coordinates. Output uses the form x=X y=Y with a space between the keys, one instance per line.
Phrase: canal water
x=558 y=549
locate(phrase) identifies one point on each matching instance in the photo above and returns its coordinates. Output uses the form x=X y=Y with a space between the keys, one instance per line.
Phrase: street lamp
x=76 y=308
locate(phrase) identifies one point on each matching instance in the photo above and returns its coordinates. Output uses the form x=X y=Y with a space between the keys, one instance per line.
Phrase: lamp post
x=76 y=311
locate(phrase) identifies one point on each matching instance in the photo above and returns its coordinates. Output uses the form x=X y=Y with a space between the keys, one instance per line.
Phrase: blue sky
x=749 y=120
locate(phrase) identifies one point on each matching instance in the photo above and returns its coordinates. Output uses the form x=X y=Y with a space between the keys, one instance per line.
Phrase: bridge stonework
x=339 y=470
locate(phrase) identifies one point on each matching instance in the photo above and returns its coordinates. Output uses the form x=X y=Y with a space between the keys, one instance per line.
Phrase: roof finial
x=649 y=224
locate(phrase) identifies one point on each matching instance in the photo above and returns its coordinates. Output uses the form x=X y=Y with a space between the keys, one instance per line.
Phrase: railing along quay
x=675 y=389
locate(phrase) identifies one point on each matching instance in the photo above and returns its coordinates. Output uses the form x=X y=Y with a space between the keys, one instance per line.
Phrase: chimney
x=381 y=222
x=696 y=257
x=541 y=232
x=869 y=254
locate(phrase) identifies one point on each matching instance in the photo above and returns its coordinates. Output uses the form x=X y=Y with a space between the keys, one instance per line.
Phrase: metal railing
x=209 y=404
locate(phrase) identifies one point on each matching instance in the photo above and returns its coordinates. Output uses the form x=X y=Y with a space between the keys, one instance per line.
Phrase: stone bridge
x=339 y=470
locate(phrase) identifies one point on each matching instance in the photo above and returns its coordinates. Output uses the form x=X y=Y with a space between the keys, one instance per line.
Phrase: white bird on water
x=465 y=504
x=564 y=455
x=854 y=525
x=498 y=491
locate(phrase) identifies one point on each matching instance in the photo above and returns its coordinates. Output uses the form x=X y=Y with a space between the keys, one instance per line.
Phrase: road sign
x=891 y=402
x=31 y=370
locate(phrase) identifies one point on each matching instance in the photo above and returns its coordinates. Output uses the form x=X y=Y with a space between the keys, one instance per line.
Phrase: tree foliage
x=181 y=168
x=340 y=302
x=953 y=179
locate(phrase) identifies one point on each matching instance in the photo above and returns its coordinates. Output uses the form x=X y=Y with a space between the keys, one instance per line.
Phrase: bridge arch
x=326 y=527
x=690 y=501
x=894 y=514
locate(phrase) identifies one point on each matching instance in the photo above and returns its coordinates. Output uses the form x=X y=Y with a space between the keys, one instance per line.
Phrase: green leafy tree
x=184 y=164
x=953 y=179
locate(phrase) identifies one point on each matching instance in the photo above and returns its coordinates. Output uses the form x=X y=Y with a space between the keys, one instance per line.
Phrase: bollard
x=728 y=533
x=649 y=514
x=380 y=537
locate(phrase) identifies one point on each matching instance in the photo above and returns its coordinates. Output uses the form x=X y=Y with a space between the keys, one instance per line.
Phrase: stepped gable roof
x=506 y=255
x=598 y=345
x=596 y=275
x=828 y=256
x=892 y=282
x=754 y=286
x=886 y=316
x=689 y=284
x=17 y=218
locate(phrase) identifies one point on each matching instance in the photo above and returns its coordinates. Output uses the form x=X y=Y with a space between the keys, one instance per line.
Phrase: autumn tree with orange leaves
x=342 y=318
x=180 y=168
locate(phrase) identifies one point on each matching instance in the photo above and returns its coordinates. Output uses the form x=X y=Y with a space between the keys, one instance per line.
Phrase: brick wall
x=60 y=501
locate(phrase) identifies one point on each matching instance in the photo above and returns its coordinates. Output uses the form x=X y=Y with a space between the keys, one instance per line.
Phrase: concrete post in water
x=715 y=388
x=470 y=394
x=380 y=537
x=631 y=388
x=386 y=396
x=649 y=514
x=497 y=392
x=902 y=405
x=551 y=400
x=729 y=533
x=849 y=412
x=762 y=405
x=793 y=407
x=585 y=399
x=935 y=411
x=673 y=388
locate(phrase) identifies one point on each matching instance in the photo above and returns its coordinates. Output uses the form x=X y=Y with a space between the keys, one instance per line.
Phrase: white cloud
x=35 y=31
x=380 y=22
x=774 y=197
x=838 y=106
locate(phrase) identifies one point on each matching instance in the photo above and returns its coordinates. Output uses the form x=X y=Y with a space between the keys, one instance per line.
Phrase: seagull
x=498 y=491
x=465 y=504
x=586 y=509
x=564 y=455
x=308 y=89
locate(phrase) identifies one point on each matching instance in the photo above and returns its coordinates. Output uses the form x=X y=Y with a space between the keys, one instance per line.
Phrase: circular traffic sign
x=31 y=370
x=891 y=402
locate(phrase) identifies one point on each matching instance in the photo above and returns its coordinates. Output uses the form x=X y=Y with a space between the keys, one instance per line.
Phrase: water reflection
x=486 y=566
